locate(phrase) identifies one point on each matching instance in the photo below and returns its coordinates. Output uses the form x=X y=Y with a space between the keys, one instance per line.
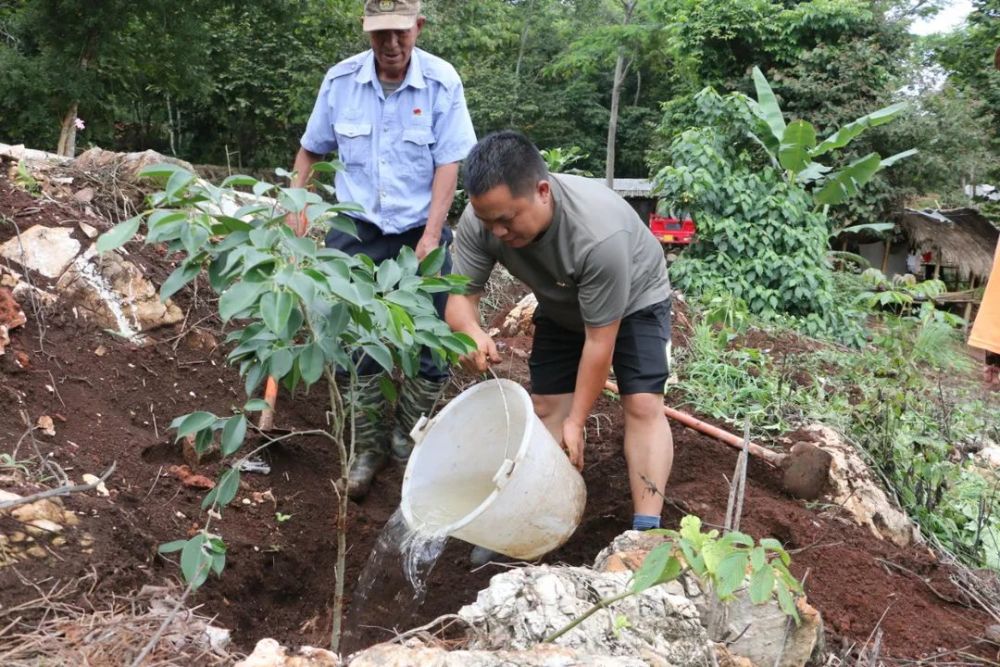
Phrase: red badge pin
x=417 y=111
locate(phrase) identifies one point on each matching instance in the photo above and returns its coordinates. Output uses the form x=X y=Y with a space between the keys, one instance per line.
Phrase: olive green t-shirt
x=596 y=263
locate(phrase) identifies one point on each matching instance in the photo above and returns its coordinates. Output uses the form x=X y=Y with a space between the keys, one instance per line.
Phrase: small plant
x=25 y=180
x=302 y=314
x=559 y=160
x=721 y=563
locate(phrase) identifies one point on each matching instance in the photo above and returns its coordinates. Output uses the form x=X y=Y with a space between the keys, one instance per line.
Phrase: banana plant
x=795 y=147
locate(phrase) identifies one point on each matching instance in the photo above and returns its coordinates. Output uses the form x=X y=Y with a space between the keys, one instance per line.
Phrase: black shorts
x=640 y=357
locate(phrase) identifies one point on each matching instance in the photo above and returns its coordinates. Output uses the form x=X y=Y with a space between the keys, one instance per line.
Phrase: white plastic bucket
x=487 y=471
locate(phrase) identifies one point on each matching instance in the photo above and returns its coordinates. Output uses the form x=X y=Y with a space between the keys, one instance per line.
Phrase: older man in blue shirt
x=397 y=117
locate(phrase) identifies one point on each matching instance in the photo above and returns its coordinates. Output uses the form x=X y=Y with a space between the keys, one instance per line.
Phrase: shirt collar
x=414 y=73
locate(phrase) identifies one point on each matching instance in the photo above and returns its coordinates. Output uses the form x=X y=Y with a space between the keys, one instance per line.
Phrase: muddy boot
x=417 y=397
x=371 y=442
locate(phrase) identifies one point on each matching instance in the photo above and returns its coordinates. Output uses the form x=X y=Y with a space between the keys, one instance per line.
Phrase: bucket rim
x=521 y=451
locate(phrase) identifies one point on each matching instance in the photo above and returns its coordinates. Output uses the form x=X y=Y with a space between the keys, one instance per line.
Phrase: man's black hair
x=504 y=158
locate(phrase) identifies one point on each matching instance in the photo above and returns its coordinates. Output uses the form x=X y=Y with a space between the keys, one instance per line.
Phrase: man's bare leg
x=553 y=409
x=649 y=451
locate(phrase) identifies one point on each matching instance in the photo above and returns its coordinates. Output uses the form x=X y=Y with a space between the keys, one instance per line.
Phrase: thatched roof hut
x=960 y=237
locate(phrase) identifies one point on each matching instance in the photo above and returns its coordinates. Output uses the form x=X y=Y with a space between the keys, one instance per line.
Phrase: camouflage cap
x=390 y=14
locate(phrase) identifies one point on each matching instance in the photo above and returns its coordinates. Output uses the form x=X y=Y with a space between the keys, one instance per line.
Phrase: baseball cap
x=390 y=14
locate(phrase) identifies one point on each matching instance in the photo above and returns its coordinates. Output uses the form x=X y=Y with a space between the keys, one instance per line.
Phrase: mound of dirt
x=113 y=401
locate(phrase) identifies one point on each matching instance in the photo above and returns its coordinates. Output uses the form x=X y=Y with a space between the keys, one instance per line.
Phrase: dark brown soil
x=279 y=575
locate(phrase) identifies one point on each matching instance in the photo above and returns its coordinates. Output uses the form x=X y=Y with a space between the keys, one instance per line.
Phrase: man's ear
x=420 y=24
x=544 y=191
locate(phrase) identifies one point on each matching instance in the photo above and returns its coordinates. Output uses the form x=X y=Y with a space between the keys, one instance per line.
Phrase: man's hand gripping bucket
x=496 y=479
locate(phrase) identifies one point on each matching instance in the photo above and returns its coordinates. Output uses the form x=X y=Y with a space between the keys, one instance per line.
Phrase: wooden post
x=968 y=306
x=885 y=257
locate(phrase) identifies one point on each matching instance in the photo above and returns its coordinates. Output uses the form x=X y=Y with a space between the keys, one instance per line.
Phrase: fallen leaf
x=189 y=479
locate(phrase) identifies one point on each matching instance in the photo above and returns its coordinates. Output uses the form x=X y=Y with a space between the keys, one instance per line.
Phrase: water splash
x=393 y=585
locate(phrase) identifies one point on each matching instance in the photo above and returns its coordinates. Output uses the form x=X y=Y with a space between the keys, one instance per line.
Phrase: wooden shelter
x=638 y=192
x=960 y=239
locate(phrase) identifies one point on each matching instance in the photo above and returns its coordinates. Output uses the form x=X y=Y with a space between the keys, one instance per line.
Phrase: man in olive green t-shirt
x=603 y=299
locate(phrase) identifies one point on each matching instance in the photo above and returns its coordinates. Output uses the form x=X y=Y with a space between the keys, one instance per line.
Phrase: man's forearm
x=304 y=162
x=462 y=313
x=592 y=373
x=442 y=195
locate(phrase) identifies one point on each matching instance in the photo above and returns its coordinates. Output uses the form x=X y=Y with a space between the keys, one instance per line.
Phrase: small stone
x=101 y=489
x=58 y=541
x=70 y=519
x=37 y=552
x=85 y=196
x=43 y=526
x=86 y=541
x=247 y=501
x=101 y=351
x=40 y=509
x=993 y=633
x=46 y=425
x=18 y=537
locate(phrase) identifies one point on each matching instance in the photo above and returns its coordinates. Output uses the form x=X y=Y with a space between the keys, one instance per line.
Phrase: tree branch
x=60 y=491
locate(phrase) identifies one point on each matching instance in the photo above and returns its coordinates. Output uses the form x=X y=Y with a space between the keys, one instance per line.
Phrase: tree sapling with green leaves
x=301 y=314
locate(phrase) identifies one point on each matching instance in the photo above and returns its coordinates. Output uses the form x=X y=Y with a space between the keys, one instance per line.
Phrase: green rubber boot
x=417 y=397
x=371 y=442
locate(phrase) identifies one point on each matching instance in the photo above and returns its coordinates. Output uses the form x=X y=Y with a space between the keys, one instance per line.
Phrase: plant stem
x=601 y=604
x=337 y=428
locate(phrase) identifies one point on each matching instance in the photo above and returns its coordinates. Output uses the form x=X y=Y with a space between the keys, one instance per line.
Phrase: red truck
x=671 y=230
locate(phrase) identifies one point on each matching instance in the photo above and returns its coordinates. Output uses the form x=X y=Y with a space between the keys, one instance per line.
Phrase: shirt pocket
x=416 y=147
x=354 y=141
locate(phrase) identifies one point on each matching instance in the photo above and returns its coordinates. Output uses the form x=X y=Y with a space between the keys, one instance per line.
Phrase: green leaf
x=224 y=491
x=658 y=567
x=239 y=180
x=761 y=585
x=691 y=529
x=876 y=227
x=387 y=387
x=171 y=547
x=847 y=182
x=293 y=199
x=195 y=562
x=118 y=235
x=194 y=237
x=787 y=602
x=758 y=558
x=256 y=405
x=233 y=433
x=893 y=159
x=162 y=171
x=731 y=573
x=254 y=377
x=281 y=363
x=192 y=423
x=312 y=362
x=798 y=139
x=432 y=263
x=768 y=105
x=713 y=553
x=180 y=277
x=380 y=354
x=852 y=130
x=275 y=307
x=238 y=298
x=389 y=274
